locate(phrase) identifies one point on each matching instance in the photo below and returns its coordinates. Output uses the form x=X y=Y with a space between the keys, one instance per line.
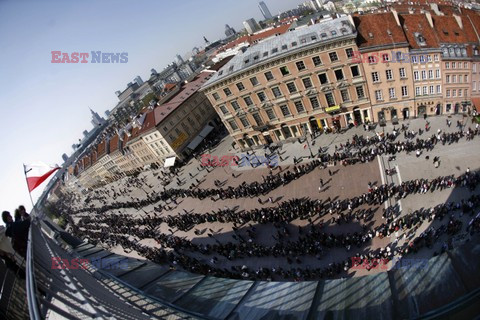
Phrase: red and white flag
x=37 y=173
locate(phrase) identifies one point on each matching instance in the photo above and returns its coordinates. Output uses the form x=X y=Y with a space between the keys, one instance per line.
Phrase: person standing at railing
x=18 y=231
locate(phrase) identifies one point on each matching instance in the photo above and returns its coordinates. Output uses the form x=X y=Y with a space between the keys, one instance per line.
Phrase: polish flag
x=37 y=173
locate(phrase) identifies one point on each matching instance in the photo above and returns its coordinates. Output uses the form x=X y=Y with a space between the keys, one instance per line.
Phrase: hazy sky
x=44 y=106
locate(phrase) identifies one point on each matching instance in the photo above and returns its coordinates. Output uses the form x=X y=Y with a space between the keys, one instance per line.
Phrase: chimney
x=395 y=15
x=459 y=21
x=428 y=15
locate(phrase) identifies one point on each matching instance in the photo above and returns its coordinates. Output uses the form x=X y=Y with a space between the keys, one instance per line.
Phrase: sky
x=45 y=106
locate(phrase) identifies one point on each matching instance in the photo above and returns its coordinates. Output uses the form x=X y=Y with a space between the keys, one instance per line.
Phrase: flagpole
x=29 y=193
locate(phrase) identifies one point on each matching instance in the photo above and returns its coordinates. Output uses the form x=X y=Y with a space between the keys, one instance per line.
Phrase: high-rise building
x=229 y=31
x=64 y=157
x=251 y=25
x=138 y=80
x=96 y=119
x=179 y=60
x=264 y=9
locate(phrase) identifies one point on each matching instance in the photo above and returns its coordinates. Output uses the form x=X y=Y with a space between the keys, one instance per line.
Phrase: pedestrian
x=321 y=182
x=330 y=172
x=319 y=189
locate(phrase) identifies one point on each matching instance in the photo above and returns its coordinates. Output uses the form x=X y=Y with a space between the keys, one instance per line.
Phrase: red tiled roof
x=93 y=157
x=170 y=86
x=148 y=123
x=217 y=66
x=373 y=30
x=448 y=30
x=101 y=148
x=187 y=90
x=256 y=37
x=413 y=23
x=114 y=143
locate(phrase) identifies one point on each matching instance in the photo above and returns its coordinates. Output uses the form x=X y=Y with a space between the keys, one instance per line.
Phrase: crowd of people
x=101 y=224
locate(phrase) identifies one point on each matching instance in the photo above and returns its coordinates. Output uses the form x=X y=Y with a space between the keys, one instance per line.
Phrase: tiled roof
x=276 y=47
x=379 y=29
x=114 y=143
x=148 y=123
x=187 y=90
x=101 y=148
x=448 y=30
x=257 y=37
x=418 y=24
x=169 y=86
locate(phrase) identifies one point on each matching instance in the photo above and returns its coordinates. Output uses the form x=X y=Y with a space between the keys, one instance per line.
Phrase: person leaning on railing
x=18 y=231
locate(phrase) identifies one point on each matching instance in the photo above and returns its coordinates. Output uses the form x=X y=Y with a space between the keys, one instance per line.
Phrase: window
x=235 y=105
x=430 y=74
x=314 y=102
x=269 y=75
x=349 y=53
x=317 y=61
x=385 y=57
x=448 y=93
x=254 y=81
x=474 y=86
x=422 y=59
x=355 y=71
x=274 y=50
x=429 y=58
x=389 y=74
x=299 y=106
x=391 y=93
x=459 y=92
x=447 y=78
x=454 y=79
x=378 y=95
x=177 y=131
x=291 y=87
x=271 y=114
x=375 y=77
x=285 y=110
x=402 y=73
x=460 y=78
x=216 y=96
x=474 y=67
x=276 y=92
x=284 y=71
x=431 y=90
x=245 y=122
x=248 y=101
x=424 y=74
x=425 y=90
x=261 y=96
x=415 y=76
x=307 y=83
x=404 y=91
x=300 y=65
x=437 y=73
x=454 y=93
x=360 y=92
x=465 y=65
x=454 y=65
x=240 y=86
x=224 y=109
x=439 y=89
x=227 y=91
x=414 y=59
x=339 y=74
x=372 y=59
x=330 y=99
x=258 y=119
x=417 y=91
x=466 y=92
x=466 y=78
x=323 y=78
x=333 y=56
x=447 y=65
x=345 y=95
x=435 y=57
x=233 y=125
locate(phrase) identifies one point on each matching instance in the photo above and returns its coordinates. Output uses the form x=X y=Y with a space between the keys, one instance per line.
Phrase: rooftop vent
x=370 y=35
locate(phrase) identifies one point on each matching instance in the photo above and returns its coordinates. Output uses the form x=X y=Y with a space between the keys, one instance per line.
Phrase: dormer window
x=445 y=32
x=265 y=54
x=475 y=51
x=370 y=35
x=274 y=50
x=247 y=61
x=343 y=30
x=294 y=44
x=323 y=35
x=334 y=33
x=284 y=47
x=389 y=32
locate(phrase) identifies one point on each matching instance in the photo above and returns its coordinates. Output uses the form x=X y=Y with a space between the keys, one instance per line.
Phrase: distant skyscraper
x=251 y=25
x=96 y=119
x=195 y=50
x=64 y=157
x=229 y=31
x=264 y=9
x=138 y=80
x=179 y=59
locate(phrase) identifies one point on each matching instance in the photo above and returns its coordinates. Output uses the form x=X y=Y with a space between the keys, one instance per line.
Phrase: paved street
x=346 y=182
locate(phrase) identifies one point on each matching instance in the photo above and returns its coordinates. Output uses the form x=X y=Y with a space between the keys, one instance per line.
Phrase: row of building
x=407 y=61
x=159 y=135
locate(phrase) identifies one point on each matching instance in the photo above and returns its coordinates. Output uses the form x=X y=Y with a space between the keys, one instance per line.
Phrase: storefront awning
x=332 y=109
x=476 y=102
x=205 y=131
x=195 y=142
x=169 y=162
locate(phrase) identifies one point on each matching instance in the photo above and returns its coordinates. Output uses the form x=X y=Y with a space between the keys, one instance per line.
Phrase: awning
x=205 y=131
x=476 y=102
x=332 y=109
x=169 y=162
x=195 y=142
